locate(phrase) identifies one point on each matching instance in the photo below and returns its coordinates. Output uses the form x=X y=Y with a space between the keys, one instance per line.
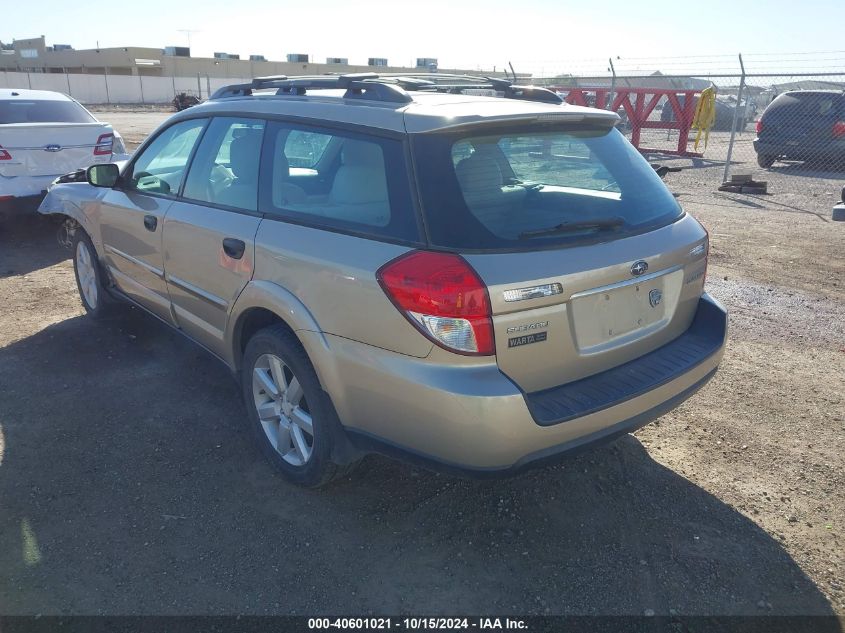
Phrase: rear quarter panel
x=334 y=277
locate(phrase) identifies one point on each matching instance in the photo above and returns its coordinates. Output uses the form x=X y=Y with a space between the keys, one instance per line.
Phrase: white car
x=43 y=135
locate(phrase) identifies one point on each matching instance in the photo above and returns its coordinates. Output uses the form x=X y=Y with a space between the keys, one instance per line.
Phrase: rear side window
x=225 y=168
x=537 y=188
x=338 y=180
x=34 y=111
x=305 y=149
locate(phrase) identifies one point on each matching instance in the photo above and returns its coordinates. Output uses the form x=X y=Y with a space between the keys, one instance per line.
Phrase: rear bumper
x=835 y=150
x=20 y=205
x=473 y=418
x=25 y=186
x=702 y=340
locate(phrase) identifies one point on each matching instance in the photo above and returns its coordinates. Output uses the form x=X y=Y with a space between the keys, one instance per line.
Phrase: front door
x=132 y=216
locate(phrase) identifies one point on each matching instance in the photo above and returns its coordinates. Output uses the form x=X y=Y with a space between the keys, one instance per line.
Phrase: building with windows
x=33 y=55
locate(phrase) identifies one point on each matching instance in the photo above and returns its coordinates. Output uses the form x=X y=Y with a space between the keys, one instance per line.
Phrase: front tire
x=291 y=416
x=89 y=277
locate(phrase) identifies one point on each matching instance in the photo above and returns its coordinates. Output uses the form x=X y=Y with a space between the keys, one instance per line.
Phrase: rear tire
x=89 y=277
x=766 y=160
x=290 y=414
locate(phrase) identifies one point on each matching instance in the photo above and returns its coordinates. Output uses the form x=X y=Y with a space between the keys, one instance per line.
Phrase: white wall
x=115 y=88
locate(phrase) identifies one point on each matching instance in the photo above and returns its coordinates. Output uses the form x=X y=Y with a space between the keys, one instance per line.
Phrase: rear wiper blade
x=573 y=227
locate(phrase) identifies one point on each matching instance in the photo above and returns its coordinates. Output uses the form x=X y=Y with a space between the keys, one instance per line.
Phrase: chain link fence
x=774 y=115
x=767 y=123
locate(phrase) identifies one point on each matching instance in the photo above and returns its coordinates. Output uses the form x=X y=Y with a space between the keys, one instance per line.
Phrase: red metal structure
x=638 y=104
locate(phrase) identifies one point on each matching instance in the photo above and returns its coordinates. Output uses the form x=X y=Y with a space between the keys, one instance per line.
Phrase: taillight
x=4 y=154
x=443 y=297
x=759 y=126
x=104 y=145
x=839 y=129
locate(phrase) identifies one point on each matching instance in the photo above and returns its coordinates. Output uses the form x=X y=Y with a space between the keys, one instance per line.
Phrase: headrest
x=362 y=154
x=479 y=176
x=245 y=154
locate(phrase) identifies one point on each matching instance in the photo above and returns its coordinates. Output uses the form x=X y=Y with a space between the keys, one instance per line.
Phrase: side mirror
x=105 y=175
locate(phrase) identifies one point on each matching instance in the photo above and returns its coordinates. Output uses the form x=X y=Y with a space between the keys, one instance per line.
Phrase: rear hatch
x=802 y=119
x=588 y=260
x=48 y=135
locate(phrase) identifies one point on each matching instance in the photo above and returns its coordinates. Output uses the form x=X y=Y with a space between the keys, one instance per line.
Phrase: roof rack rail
x=357 y=85
x=390 y=88
x=443 y=82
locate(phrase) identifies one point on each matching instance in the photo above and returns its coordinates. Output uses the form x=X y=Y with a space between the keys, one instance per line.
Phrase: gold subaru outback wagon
x=396 y=264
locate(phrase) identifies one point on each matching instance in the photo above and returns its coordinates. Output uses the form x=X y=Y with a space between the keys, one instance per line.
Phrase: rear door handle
x=150 y=222
x=233 y=248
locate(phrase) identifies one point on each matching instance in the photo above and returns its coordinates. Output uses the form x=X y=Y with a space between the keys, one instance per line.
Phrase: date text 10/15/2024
x=420 y=623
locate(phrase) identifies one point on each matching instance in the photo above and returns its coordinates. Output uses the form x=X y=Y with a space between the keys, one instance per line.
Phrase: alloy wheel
x=87 y=274
x=282 y=409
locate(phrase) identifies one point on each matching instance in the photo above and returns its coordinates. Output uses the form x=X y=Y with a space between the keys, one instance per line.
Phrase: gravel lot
x=129 y=482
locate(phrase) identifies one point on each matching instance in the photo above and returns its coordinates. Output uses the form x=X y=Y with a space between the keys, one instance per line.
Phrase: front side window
x=161 y=165
x=225 y=168
x=338 y=180
x=530 y=188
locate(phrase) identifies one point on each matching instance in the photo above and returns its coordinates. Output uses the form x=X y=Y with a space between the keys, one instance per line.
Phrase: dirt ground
x=129 y=482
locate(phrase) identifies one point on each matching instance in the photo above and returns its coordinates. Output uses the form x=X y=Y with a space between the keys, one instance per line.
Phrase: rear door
x=132 y=215
x=209 y=234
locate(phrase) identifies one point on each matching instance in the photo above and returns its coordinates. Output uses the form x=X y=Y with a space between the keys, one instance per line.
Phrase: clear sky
x=539 y=36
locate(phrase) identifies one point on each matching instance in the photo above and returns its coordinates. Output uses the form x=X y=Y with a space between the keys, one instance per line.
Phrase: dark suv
x=806 y=125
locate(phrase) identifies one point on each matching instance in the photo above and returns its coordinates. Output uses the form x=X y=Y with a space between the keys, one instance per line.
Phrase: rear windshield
x=531 y=189
x=794 y=106
x=29 y=111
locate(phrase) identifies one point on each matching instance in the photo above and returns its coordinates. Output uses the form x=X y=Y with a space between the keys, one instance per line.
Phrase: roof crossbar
x=391 y=88
x=458 y=83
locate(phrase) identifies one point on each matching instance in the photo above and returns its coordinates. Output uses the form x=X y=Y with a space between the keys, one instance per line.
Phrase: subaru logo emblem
x=52 y=148
x=639 y=268
x=654 y=297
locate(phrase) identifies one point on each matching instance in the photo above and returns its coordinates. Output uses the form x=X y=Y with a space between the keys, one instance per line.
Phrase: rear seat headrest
x=361 y=154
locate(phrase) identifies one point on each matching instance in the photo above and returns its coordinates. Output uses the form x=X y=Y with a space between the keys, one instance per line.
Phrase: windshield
x=29 y=111
x=537 y=188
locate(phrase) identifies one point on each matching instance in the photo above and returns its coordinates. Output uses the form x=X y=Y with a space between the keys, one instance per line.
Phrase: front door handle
x=233 y=248
x=150 y=222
